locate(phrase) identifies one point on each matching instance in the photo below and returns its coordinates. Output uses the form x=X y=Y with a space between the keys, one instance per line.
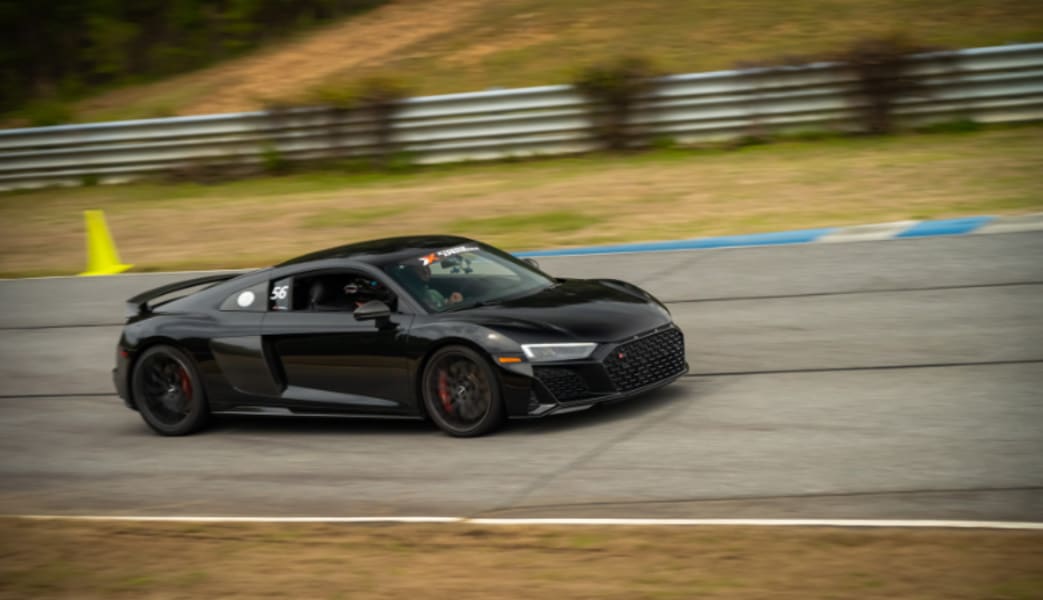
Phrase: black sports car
x=412 y=327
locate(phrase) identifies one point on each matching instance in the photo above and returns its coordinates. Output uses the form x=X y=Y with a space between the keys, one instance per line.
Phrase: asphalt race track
x=897 y=379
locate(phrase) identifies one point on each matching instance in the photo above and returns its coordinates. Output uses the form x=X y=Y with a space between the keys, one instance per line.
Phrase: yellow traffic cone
x=102 y=258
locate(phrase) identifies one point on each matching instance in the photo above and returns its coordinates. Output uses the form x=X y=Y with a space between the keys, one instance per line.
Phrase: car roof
x=383 y=251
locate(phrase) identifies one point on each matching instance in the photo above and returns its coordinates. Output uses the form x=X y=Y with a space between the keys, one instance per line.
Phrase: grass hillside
x=464 y=45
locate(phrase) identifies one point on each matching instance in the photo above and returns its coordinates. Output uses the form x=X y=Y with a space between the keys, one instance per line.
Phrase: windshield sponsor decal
x=437 y=256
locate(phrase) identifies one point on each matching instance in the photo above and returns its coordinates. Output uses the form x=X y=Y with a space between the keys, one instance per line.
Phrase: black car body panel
x=258 y=352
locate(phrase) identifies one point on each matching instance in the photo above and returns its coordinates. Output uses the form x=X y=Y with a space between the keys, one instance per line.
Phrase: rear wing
x=139 y=304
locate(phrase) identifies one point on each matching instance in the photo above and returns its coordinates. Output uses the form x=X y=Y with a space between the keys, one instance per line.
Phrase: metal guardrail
x=990 y=85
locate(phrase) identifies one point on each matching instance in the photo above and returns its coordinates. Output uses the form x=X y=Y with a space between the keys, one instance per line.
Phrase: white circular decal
x=245 y=299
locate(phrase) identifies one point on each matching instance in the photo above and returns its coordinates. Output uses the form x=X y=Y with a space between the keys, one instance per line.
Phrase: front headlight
x=555 y=352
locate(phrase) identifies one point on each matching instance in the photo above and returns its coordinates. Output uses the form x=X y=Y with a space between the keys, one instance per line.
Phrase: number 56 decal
x=279 y=292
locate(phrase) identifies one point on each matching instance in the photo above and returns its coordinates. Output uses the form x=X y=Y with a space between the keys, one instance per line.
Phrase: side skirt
x=271 y=411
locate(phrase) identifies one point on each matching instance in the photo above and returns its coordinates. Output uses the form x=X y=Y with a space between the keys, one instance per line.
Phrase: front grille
x=646 y=360
x=565 y=384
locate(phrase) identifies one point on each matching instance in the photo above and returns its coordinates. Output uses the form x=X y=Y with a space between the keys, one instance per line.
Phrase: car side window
x=250 y=299
x=329 y=291
x=280 y=296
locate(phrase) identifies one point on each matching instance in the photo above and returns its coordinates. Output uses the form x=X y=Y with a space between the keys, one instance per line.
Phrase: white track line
x=903 y=523
x=211 y=519
x=771 y=523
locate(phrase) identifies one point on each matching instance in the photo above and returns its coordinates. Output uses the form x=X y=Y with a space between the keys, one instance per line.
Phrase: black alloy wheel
x=167 y=391
x=462 y=393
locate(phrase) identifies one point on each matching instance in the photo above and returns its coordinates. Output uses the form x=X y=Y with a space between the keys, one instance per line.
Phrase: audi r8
x=437 y=327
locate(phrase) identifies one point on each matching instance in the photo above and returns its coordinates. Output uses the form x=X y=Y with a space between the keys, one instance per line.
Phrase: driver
x=429 y=294
x=352 y=292
x=361 y=290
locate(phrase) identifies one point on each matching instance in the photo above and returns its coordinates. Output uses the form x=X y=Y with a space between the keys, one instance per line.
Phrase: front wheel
x=462 y=393
x=168 y=393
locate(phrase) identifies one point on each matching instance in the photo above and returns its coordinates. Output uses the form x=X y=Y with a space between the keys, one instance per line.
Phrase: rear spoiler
x=140 y=304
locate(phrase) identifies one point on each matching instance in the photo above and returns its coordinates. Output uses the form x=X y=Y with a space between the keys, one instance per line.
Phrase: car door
x=328 y=359
x=244 y=375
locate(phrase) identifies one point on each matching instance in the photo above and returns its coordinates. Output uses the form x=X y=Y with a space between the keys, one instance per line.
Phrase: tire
x=168 y=392
x=461 y=392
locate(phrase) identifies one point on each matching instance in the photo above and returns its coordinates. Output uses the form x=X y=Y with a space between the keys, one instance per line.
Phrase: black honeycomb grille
x=647 y=360
x=565 y=384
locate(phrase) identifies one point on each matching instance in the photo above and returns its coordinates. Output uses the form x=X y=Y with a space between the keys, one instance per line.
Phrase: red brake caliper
x=443 y=392
x=186 y=384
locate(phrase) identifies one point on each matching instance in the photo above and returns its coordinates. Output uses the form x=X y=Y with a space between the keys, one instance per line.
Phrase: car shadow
x=275 y=425
x=596 y=416
x=601 y=415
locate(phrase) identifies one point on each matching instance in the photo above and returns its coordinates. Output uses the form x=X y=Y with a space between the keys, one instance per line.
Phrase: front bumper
x=614 y=372
x=559 y=408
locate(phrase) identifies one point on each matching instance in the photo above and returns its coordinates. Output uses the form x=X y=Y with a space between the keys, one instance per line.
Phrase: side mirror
x=532 y=263
x=372 y=311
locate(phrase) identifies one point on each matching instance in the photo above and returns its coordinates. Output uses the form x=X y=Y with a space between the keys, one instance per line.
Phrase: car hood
x=577 y=309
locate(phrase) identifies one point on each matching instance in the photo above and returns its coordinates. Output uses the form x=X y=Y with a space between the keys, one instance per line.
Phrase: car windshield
x=466 y=276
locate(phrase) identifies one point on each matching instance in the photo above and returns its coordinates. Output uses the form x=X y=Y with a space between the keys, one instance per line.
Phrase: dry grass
x=541 y=204
x=464 y=45
x=142 y=560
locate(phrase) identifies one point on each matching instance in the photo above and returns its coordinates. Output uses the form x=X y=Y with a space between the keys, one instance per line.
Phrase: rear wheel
x=462 y=393
x=168 y=393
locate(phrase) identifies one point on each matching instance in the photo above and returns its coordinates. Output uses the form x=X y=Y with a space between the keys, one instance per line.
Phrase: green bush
x=379 y=97
x=614 y=89
x=273 y=161
x=963 y=125
x=375 y=98
x=882 y=67
x=47 y=112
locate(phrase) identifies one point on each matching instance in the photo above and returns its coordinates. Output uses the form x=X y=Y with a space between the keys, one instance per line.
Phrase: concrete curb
x=857 y=233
